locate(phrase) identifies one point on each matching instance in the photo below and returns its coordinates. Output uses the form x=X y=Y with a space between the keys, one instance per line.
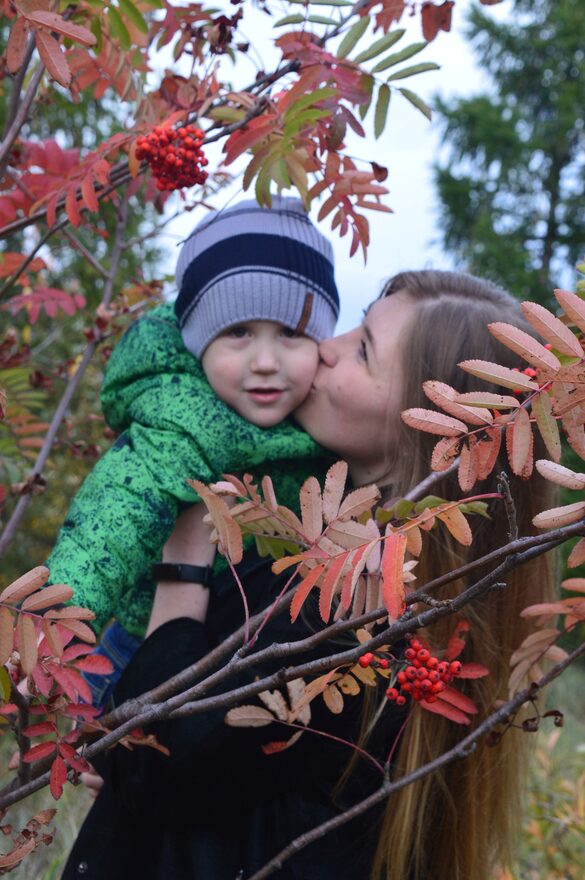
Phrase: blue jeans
x=118 y=645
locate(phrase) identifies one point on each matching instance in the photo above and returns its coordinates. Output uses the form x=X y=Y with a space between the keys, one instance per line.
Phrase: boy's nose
x=264 y=360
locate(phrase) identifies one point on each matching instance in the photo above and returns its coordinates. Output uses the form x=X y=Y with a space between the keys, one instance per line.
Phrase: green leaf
x=308 y=101
x=479 y=507
x=417 y=102
x=380 y=46
x=5 y=685
x=297 y=18
x=96 y=29
x=322 y=19
x=397 y=57
x=428 y=501
x=156 y=4
x=382 y=105
x=367 y=83
x=352 y=37
x=292 y=126
x=117 y=28
x=133 y=15
x=413 y=69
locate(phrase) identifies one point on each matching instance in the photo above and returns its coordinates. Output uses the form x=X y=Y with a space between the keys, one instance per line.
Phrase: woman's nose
x=328 y=352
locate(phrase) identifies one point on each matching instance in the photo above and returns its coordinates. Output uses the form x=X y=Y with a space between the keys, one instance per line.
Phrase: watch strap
x=179 y=571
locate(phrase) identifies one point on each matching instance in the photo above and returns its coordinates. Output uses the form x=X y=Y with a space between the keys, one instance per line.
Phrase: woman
x=219 y=807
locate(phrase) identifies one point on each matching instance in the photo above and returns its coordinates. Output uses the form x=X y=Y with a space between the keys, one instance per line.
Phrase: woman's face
x=356 y=394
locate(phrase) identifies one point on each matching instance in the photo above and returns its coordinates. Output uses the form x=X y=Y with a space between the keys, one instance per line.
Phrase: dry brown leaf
x=275 y=702
x=311 y=509
x=333 y=490
x=249 y=716
x=560 y=516
x=25 y=585
x=433 y=422
x=551 y=329
x=560 y=475
x=456 y=523
x=333 y=699
x=6 y=634
x=52 y=595
x=27 y=643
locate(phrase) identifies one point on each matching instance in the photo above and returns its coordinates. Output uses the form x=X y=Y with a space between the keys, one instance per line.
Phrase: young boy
x=198 y=391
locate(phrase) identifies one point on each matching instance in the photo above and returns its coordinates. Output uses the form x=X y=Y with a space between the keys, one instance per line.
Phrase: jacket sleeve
x=212 y=767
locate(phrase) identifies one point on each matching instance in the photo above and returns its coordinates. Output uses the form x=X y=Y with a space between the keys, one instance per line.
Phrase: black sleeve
x=213 y=769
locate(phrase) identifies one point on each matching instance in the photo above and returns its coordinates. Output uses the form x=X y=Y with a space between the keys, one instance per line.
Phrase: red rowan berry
x=410 y=672
x=530 y=372
x=431 y=698
x=400 y=700
x=416 y=695
x=548 y=346
x=365 y=660
x=443 y=667
x=383 y=663
x=410 y=653
x=401 y=677
x=434 y=675
x=391 y=693
x=407 y=687
x=437 y=687
x=426 y=685
x=432 y=663
x=455 y=667
x=422 y=673
x=416 y=644
x=423 y=655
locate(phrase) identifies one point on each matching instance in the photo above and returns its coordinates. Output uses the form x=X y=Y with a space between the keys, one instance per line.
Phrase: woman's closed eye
x=363 y=351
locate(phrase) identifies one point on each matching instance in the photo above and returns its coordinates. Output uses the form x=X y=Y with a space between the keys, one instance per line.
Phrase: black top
x=219 y=808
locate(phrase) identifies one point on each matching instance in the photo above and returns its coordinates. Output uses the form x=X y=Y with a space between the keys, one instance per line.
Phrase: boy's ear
x=306 y=313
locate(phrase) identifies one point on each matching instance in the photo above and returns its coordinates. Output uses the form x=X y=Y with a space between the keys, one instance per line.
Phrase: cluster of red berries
x=528 y=371
x=174 y=155
x=370 y=659
x=425 y=676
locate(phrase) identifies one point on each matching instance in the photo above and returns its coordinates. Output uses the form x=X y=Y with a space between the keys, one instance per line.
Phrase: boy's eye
x=237 y=332
x=289 y=333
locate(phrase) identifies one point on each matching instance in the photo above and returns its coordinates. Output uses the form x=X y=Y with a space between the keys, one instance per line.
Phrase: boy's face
x=261 y=369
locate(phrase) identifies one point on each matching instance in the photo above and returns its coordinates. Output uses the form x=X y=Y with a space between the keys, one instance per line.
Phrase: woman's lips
x=265 y=395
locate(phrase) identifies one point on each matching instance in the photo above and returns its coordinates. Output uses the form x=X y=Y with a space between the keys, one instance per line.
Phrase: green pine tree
x=512 y=186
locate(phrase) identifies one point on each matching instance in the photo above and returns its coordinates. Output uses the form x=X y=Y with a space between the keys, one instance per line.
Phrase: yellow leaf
x=456 y=524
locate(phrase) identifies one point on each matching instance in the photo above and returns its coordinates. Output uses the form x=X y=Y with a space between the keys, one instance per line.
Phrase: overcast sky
x=408 y=238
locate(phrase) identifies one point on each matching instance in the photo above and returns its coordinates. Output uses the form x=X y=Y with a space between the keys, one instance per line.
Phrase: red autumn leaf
x=97 y=664
x=15 y=46
x=58 y=777
x=329 y=585
x=457 y=643
x=473 y=670
x=41 y=750
x=27 y=643
x=303 y=590
x=71 y=756
x=40 y=729
x=53 y=58
x=445 y=709
x=392 y=577
x=436 y=18
x=459 y=700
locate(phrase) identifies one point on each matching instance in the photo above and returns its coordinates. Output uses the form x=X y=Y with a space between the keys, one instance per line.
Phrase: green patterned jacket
x=173 y=428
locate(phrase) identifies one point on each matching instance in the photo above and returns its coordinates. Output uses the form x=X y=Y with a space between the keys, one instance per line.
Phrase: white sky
x=408 y=238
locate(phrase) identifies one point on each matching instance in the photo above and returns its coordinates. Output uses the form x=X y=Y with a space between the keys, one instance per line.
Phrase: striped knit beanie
x=248 y=263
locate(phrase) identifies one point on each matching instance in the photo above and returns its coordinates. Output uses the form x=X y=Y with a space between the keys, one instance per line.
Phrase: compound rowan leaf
x=27 y=643
x=52 y=57
x=577 y=554
x=499 y=375
x=25 y=585
x=551 y=329
x=229 y=533
x=547 y=424
x=303 y=590
x=525 y=345
x=456 y=524
x=519 y=441
x=58 y=777
x=52 y=595
x=41 y=750
x=16 y=46
x=392 y=575
x=560 y=516
x=433 y=422
x=17 y=854
x=6 y=634
x=333 y=490
x=330 y=584
x=56 y=23
x=249 y=716
x=560 y=475
x=488 y=449
x=353 y=36
x=447 y=398
x=311 y=508
x=449 y=711
x=573 y=307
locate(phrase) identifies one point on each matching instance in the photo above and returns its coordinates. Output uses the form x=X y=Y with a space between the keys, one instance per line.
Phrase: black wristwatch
x=178 y=571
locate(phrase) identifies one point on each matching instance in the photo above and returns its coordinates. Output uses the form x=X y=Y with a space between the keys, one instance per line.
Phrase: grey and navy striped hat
x=247 y=263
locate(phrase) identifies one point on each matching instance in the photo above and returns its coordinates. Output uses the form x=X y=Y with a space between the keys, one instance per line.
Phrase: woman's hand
x=93 y=782
x=188 y=544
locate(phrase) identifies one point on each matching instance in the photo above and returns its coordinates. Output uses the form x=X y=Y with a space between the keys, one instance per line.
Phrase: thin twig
x=504 y=488
x=21 y=115
x=17 y=84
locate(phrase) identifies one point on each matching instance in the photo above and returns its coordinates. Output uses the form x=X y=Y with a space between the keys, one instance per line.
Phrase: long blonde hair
x=460 y=822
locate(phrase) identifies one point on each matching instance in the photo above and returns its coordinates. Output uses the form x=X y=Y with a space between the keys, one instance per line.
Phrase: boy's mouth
x=265 y=395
